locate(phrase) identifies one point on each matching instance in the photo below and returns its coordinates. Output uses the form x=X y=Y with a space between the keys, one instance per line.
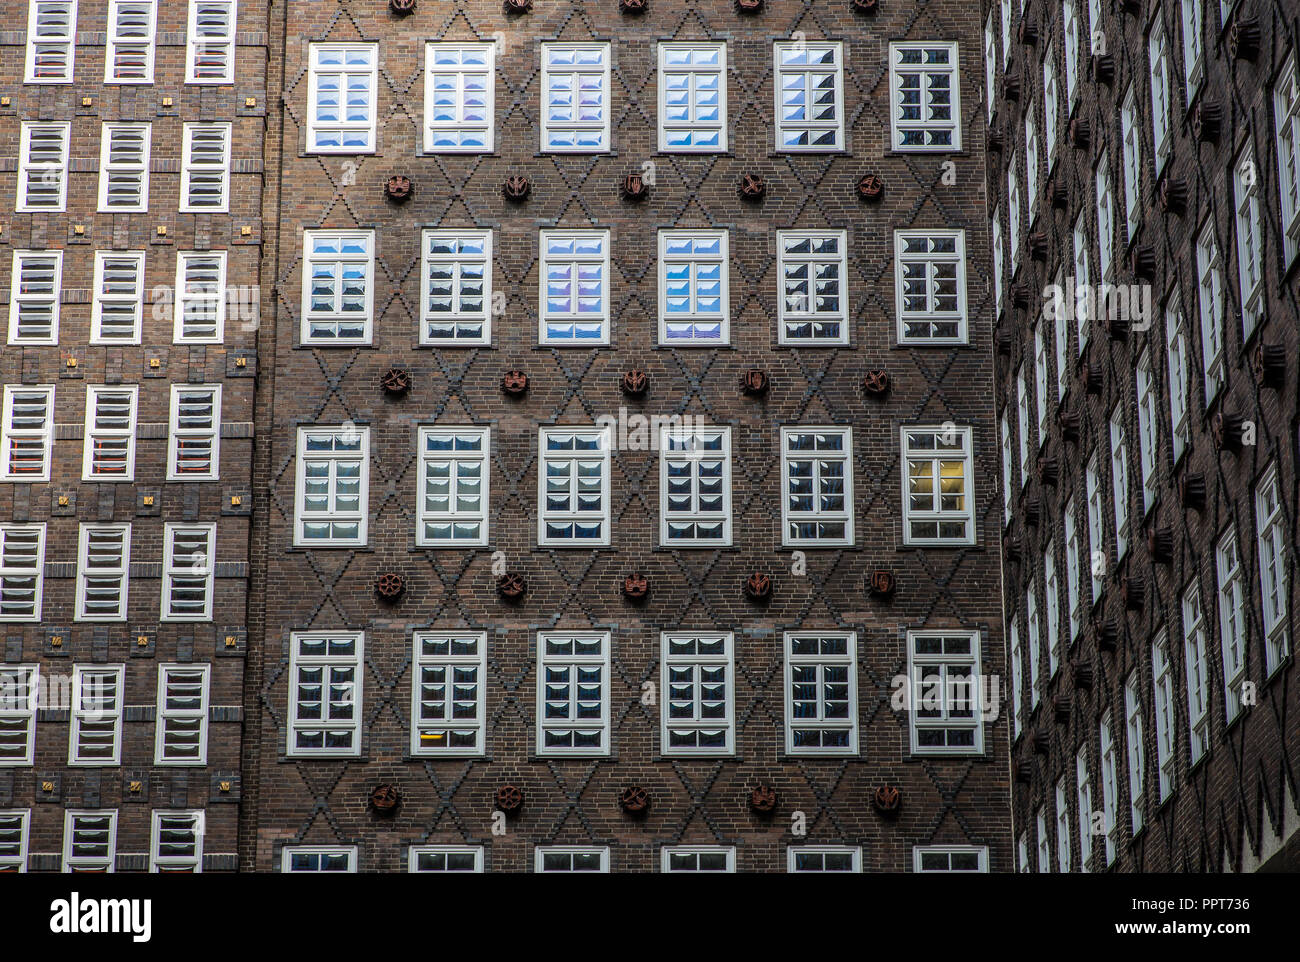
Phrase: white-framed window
x=1006 y=33
x=42 y=166
x=1062 y=813
x=1131 y=151
x=821 y=693
x=1209 y=283
x=176 y=841
x=1162 y=683
x=1083 y=806
x=1232 y=620
x=1017 y=682
x=817 y=476
x=103 y=562
x=1032 y=154
x=1198 y=679
x=809 y=83
x=1051 y=102
x=925 y=96
x=1109 y=787
x=194 y=433
x=694 y=288
x=1097 y=557
x=1148 y=430
x=1105 y=218
x=692 y=97
x=950 y=858
x=1286 y=114
x=930 y=277
x=697 y=858
x=444 y=858
x=1179 y=376
x=448 y=704
x=575 y=287
x=1119 y=480
x=95 y=737
x=51 y=41
x=1271 y=534
x=1013 y=212
x=118 y=297
x=342 y=108
x=456 y=287
x=27 y=433
x=1082 y=281
x=1034 y=626
x=571 y=858
x=181 y=733
x=89 y=840
x=200 y=310
x=35 y=291
x=576 y=98
x=1074 y=594
x=1250 y=251
x=1004 y=435
x=814 y=268
x=189 y=559
x=1136 y=748
x=318 y=858
x=325 y=693
x=455 y=468
x=990 y=65
x=128 y=51
x=947 y=701
x=1052 y=605
x=124 y=167
x=19 y=696
x=823 y=858
x=1040 y=381
x=15 y=827
x=1070 y=17
x=1044 y=841
x=338 y=271
x=1061 y=341
x=573 y=487
x=205 y=168
x=210 y=42
x=109 y=450
x=333 y=494
x=459 y=98
x=1158 y=60
x=573 y=716
x=698 y=692
x=938 y=486
x=1022 y=423
x=998 y=260
x=694 y=486
x=1193 y=46
x=22 y=571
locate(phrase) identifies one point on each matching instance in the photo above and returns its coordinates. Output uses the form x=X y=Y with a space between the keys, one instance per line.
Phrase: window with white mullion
x=1131 y=151
x=19 y=697
x=1040 y=381
x=456 y=287
x=1198 y=681
x=692 y=97
x=573 y=487
x=1022 y=423
x=571 y=858
x=314 y=859
x=1136 y=749
x=454 y=473
x=946 y=697
x=809 y=83
x=343 y=82
x=42 y=166
x=823 y=858
x=576 y=94
x=950 y=858
x=1179 y=376
x=118 y=302
x=103 y=561
x=1109 y=788
x=1119 y=481
x=27 y=433
x=1083 y=806
x=698 y=691
x=1006 y=33
x=205 y=168
x=1044 y=842
x=325 y=692
x=930 y=268
x=1074 y=593
x=1096 y=538
x=573 y=693
x=694 y=306
x=181 y=732
x=109 y=449
x=15 y=827
x=22 y=571
x=1051 y=103
x=1061 y=340
x=445 y=858
x=1004 y=433
x=1070 y=16
x=337 y=286
x=575 y=287
x=998 y=260
x=1162 y=682
x=1250 y=252
x=129 y=50
x=1161 y=122
x=695 y=486
x=697 y=858
x=51 y=41
x=90 y=840
x=124 y=167
x=35 y=291
x=332 y=489
x=194 y=433
x=189 y=557
x=1017 y=671
x=1148 y=430
x=176 y=841
x=1193 y=17
x=1232 y=620
x=95 y=737
x=1273 y=566
x=938 y=496
x=459 y=97
x=448 y=709
x=925 y=96
x=1034 y=644
x=1105 y=219
x=990 y=65
x=210 y=42
x=1209 y=272
x=1062 y=813
x=1013 y=212
x=1052 y=601
x=817 y=474
x=1082 y=281
x=821 y=693
x=200 y=297
x=1032 y=154
x=814 y=298
x=1286 y=114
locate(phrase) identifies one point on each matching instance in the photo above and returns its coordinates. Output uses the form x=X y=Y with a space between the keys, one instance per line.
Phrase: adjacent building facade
x=1143 y=189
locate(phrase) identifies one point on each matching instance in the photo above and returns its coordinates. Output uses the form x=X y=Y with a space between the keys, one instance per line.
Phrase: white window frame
x=669 y=852
x=998 y=261
x=572 y=517
x=194 y=44
x=574 y=320
x=24 y=298
x=463 y=267
x=1074 y=594
x=793 y=853
x=328 y=663
x=457 y=460
x=119 y=302
x=67 y=39
x=922 y=693
x=1014 y=208
x=439 y=728
x=932 y=262
x=990 y=66
x=697 y=266
x=82 y=717
x=1061 y=343
x=1274 y=563
x=22 y=819
x=789 y=312
x=188 y=719
x=340 y=128
x=1250 y=251
x=1052 y=608
x=1209 y=283
x=1082 y=281
x=920 y=852
x=1197 y=668
x=1032 y=154
x=1022 y=423
x=1105 y=217
x=574 y=661
x=694 y=665
x=110 y=435
x=20 y=687
x=32 y=538
x=349 y=853
x=136 y=171
x=1096 y=535
x=203 y=169
x=179 y=435
x=797 y=68
x=1017 y=682
x=1004 y=434
x=1176 y=352
x=1119 y=481
x=414 y=853
x=1044 y=842
x=1034 y=643
x=1148 y=430
x=541 y=851
x=12 y=437
x=1062 y=813
x=1041 y=378
x=160 y=863
x=361 y=515
x=209 y=304
x=485 y=73
x=940 y=516
x=1083 y=806
x=1286 y=114
x=1193 y=47
x=1131 y=154
x=817 y=456
x=1109 y=786
x=1133 y=725
x=692 y=73
x=1070 y=18
x=1162 y=683
x=121 y=571
x=31 y=172
x=1051 y=104
x=342 y=266
x=927 y=126
x=115 y=40
x=1161 y=121
x=574 y=127
x=1233 y=637
x=98 y=863
x=200 y=569
x=821 y=660
x=683 y=448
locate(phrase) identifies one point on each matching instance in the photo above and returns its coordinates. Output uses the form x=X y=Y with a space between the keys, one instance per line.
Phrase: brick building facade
x=1149 y=449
